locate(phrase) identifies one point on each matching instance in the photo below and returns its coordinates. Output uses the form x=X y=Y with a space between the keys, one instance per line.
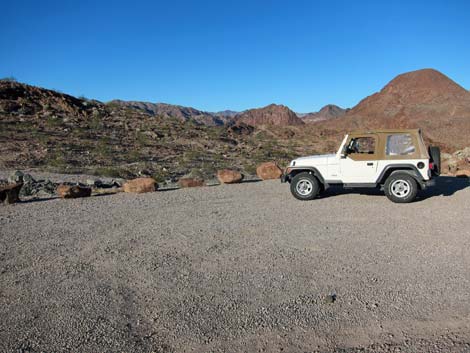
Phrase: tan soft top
x=386 y=131
x=421 y=151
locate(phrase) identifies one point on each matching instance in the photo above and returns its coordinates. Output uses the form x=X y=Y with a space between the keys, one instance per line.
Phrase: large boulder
x=190 y=182
x=73 y=192
x=228 y=176
x=268 y=170
x=140 y=185
x=465 y=173
x=9 y=193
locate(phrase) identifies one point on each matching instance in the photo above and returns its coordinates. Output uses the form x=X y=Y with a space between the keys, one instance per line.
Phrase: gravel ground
x=237 y=268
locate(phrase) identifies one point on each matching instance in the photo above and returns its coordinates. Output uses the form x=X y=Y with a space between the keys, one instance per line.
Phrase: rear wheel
x=304 y=186
x=401 y=188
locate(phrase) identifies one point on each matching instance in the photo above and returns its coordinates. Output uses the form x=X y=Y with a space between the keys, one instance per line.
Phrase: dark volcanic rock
x=9 y=193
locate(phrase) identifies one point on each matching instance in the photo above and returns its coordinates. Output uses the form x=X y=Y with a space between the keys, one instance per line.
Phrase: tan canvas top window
x=399 y=145
x=362 y=145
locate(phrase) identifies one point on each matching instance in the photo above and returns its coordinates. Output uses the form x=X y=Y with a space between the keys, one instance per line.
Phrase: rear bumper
x=427 y=183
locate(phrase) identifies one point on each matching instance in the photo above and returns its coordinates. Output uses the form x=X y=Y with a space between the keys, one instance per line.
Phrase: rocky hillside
x=45 y=129
x=328 y=112
x=175 y=111
x=273 y=114
x=425 y=98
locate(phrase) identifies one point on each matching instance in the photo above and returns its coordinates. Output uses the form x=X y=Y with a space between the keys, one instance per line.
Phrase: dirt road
x=237 y=268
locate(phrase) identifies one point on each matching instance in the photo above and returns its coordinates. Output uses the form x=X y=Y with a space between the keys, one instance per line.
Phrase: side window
x=362 y=145
x=399 y=145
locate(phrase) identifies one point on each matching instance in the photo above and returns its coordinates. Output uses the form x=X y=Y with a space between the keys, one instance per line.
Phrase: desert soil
x=237 y=268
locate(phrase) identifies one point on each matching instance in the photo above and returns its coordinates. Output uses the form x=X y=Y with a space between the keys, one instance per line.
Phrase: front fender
x=290 y=172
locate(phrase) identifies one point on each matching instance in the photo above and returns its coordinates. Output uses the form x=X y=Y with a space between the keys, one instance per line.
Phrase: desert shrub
x=95 y=122
x=141 y=138
x=56 y=160
x=104 y=147
x=53 y=121
x=109 y=172
x=249 y=168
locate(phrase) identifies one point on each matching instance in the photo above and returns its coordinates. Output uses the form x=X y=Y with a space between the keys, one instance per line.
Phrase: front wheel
x=401 y=188
x=304 y=186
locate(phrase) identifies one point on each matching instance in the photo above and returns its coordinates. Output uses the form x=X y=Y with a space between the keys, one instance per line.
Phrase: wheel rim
x=400 y=188
x=304 y=187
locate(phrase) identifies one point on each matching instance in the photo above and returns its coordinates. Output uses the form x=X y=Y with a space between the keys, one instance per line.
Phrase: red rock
x=190 y=182
x=140 y=185
x=10 y=193
x=272 y=114
x=268 y=170
x=228 y=176
x=463 y=173
x=73 y=192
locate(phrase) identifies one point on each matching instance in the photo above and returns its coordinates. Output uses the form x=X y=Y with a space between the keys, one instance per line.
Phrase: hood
x=315 y=160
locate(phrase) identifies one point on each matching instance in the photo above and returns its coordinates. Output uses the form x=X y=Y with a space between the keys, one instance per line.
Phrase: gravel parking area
x=237 y=268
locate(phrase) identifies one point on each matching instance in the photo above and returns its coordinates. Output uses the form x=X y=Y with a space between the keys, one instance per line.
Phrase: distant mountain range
x=424 y=98
x=328 y=112
x=272 y=114
x=178 y=111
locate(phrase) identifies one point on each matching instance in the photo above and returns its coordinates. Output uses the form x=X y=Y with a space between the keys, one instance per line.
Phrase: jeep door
x=358 y=162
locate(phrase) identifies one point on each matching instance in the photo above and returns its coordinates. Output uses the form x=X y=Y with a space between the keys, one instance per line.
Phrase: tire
x=401 y=188
x=435 y=154
x=304 y=186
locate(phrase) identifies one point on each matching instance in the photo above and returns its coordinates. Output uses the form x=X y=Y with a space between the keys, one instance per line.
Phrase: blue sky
x=238 y=54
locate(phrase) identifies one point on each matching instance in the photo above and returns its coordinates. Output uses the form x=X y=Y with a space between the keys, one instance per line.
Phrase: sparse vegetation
x=110 y=140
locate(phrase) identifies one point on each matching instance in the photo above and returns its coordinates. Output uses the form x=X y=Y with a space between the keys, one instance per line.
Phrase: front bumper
x=285 y=178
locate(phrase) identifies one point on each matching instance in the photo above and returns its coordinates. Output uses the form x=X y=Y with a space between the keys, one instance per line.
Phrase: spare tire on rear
x=435 y=154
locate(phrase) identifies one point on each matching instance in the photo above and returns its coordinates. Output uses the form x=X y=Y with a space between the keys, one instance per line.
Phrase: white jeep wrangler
x=396 y=161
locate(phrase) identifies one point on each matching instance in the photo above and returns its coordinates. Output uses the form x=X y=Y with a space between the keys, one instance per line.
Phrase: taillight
x=431 y=165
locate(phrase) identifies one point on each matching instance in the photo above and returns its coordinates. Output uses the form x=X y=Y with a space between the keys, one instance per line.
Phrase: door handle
x=370 y=163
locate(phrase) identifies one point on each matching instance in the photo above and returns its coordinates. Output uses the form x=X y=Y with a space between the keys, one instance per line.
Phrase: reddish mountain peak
x=426 y=80
x=272 y=114
x=426 y=99
x=332 y=110
x=427 y=87
x=329 y=111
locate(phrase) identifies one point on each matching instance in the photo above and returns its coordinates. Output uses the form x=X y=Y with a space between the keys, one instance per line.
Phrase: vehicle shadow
x=445 y=186
x=339 y=190
x=38 y=199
